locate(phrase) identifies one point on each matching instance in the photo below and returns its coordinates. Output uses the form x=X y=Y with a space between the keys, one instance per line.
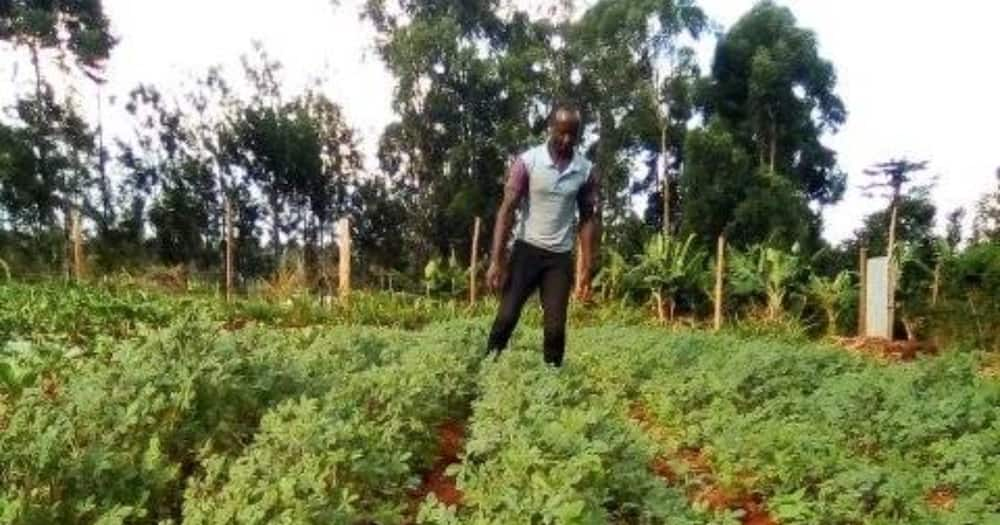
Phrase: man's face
x=564 y=132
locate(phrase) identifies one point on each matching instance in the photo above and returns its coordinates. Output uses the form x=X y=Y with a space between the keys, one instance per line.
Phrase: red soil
x=885 y=349
x=451 y=440
x=941 y=499
x=710 y=493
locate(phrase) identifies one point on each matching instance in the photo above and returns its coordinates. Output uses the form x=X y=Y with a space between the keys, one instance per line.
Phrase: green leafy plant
x=765 y=272
x=667 y=267
x=830 y=295
x=447 y=277
x=611 y=278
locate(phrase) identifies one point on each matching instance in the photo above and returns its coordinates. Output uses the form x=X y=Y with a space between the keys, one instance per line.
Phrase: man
x=550 y=185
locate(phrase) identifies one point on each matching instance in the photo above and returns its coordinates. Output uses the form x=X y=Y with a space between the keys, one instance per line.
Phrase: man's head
x=564 y=129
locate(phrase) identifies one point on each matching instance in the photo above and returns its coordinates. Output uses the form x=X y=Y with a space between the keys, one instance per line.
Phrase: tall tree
x=79 y=30
x=986 y=224
x=53 y=150
x=636 y=78
x=298 y=152
x=774 y=95
x=892 y=176
x=466 y=85
x=169 y=179
x=953 y=232
x=916 y=249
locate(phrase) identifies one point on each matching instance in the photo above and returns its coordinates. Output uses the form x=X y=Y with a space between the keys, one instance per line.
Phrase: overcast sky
x=919 y=78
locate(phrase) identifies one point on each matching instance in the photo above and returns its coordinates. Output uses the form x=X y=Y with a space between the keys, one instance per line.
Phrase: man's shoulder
x=530 y=154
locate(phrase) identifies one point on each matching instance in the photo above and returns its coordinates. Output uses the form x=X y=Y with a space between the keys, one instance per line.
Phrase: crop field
x=165 y=413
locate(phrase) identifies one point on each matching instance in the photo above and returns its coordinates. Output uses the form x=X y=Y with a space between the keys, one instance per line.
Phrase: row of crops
x=182 y=417
x=82 y=314
x=194 y=425
x=262 y=426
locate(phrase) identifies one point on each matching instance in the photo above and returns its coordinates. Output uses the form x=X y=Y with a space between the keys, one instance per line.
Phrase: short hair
x=566 y=106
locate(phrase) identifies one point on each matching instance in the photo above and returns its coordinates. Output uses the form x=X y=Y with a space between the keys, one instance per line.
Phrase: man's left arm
x=589 y=203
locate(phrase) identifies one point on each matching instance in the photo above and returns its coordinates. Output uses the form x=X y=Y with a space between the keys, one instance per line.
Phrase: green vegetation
x=197 y=424
x=151 y=400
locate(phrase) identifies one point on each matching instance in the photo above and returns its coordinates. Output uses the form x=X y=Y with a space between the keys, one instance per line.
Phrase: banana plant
x=914 y=284
x=666 y=267
x=766 y=271
x=610 y=279
x=445 y=277
x=830 y=294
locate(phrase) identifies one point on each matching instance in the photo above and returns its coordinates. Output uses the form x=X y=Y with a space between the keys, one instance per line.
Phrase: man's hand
x=495 y=276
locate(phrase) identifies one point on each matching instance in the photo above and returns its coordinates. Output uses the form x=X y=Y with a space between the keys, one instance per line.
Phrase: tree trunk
x=665 y=173
x=77 y=233
x=910 y=332
x=276 y=228
x=42 y=169
x=228 y=220
x=106 y=205
x=891 y=285
x=774 y=144
x=935 y=290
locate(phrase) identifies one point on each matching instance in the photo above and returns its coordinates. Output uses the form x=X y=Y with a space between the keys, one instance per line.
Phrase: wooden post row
x=345 y=258
x=473 y=262
x=720 y=265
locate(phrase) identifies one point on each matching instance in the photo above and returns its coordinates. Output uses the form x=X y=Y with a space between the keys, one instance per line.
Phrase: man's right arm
x=514 y=190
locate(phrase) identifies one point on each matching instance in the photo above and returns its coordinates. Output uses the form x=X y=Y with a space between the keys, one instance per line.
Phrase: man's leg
x=523 y=279
x=556 y=282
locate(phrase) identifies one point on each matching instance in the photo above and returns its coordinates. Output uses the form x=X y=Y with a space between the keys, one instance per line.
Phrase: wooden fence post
x=77 y=244
x=719 y=275
x=228 y=225
x=473 y=262
x=863 y=293
x=345 y=258
x=936 y=290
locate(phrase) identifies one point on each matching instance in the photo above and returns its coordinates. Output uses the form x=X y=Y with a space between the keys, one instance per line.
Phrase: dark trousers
x=552 y=274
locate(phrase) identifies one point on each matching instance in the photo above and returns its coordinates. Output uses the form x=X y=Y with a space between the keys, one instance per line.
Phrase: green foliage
x=714 y=181
x=666 y=268
x=121 y=434
x=832 y=295
x=968 y=311
x=351 y=454
x=610 y=279
x=313 y=425
x=552 y=446
x=986 y=222
x=760 y=161
x=449 y=278
x=824 y=436
x=765 y=272
x=81 y=28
